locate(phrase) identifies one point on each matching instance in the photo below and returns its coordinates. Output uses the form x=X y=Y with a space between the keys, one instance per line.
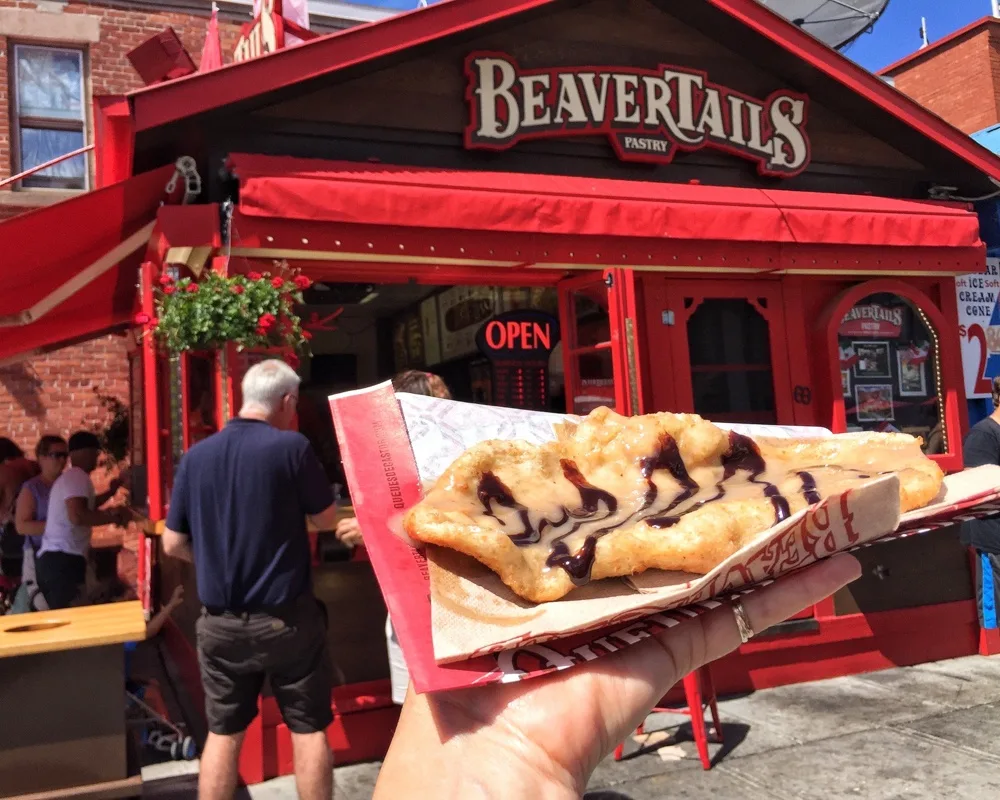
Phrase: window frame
x=19 y=121
x=952 y=405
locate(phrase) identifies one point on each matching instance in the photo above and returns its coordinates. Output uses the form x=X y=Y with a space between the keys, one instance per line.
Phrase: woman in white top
x=411 y=382
x=74 y=509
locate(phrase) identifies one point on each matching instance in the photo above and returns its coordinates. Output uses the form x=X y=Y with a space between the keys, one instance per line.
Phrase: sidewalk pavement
x=931 y=731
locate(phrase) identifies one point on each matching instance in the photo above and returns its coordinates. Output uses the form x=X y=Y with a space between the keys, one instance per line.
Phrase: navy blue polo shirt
x=242 y=495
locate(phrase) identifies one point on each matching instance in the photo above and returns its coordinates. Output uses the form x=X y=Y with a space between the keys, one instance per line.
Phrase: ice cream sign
x=648 y=115
x=979 y=327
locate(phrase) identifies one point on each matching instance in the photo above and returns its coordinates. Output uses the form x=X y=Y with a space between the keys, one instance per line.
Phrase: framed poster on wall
x=873 y=360
x=912 y=374
x=874 y=402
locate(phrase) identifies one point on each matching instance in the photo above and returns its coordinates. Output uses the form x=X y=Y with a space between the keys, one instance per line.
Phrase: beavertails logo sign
x=648 y=115
x=872 y=320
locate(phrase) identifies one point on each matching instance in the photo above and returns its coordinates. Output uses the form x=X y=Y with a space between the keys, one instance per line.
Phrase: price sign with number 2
x=979 y=327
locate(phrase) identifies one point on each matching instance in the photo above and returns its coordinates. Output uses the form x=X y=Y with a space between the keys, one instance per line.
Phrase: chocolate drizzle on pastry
x=742 y=457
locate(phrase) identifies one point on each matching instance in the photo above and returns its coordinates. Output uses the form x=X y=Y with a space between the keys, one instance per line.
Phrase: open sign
x=522 y=335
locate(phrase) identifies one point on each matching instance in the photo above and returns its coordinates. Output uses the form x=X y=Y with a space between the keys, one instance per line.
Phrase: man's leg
x=313 y=766
x=232 y=677
x=302 y=682
x=219 y=768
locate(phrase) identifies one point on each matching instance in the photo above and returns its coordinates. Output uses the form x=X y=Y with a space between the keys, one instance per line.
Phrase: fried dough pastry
x=614 y=496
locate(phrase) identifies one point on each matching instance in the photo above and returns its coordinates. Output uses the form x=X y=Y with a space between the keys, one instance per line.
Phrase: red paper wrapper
x=448 y=650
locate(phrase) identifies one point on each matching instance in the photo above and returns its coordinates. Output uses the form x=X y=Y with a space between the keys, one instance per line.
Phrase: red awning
x=547 y=220
x=69 y=270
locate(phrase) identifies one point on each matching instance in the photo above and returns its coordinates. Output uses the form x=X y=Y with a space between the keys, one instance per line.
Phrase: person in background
x=9 y=450
x=348 y=531
x=238 y=512
x=29 y=518
x=133 y=684
x=159 y=619
x=74 y=509
x=15 y=469
x=982 y=446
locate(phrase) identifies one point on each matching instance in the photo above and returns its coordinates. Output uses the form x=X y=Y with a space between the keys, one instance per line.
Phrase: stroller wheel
x=189 y=750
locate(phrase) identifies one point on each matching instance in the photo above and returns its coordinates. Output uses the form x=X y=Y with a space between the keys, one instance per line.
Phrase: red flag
x=211 y=53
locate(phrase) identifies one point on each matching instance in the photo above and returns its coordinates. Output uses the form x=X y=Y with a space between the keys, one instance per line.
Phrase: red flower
x=169 y=289
x=302 y=282
x=261 y=330
x=237 y=289
x=254 y=276
x=292 y=360
x=165 y=280
x=277 y=283
x=306 y=335
x=192 y=288
x=266 y=321
x=142 y=318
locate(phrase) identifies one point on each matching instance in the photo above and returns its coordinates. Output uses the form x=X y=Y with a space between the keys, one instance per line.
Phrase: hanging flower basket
x=251 y=311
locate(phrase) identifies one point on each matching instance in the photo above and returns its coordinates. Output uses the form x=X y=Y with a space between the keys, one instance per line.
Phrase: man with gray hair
x=238 y=511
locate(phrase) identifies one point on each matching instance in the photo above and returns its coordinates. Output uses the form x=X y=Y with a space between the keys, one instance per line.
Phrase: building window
x=889 y=373
x=49 y=115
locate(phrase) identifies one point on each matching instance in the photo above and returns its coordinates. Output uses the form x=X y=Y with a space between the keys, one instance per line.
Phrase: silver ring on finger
x=742 y=622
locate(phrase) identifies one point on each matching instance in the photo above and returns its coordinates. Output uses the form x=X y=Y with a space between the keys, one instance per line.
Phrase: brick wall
x=55 y=393
x=958 y=80
x=119 y=31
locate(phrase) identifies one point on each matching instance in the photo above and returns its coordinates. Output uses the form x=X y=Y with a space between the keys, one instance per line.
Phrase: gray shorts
x=237 y=651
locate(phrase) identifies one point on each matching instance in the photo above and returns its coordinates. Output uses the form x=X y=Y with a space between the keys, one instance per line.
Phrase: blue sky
x=897 y=33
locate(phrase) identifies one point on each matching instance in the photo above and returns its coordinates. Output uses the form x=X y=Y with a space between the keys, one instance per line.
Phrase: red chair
x=699 y=690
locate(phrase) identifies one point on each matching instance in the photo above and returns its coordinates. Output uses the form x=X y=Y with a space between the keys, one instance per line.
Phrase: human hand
x=349 y=532
x=176 y=597
x=544 y=737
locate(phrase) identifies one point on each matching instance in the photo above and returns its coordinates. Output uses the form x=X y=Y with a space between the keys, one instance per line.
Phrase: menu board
x=408 y=342
x=462 y=310
x=432 y=336
x=543 y=298
x=518 y=385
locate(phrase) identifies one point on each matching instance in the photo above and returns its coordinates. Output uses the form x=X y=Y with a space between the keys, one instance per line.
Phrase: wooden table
x=62 y=695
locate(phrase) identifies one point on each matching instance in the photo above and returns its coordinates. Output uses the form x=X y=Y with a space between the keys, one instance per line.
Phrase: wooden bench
x=62 y=691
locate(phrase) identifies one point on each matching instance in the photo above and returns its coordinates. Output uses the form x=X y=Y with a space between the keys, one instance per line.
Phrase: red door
x=600 y=335
x=725 y=340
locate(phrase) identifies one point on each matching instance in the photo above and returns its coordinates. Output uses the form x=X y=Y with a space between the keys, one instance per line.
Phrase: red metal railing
x=52 y=162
